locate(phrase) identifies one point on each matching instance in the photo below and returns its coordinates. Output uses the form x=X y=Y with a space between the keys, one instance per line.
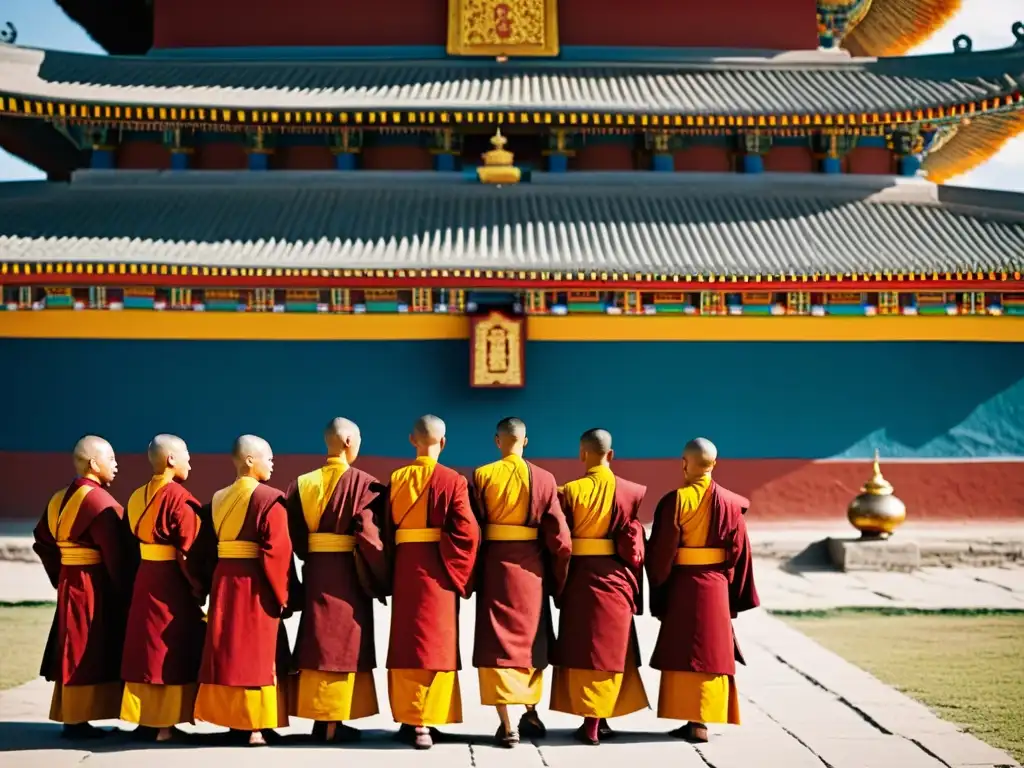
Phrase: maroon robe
x=696 y=603
x=164 y=640
x=603 y=593
x=87 y=634
x=515 y=580
x=244 y=635
x=427 y=580
x=338 y=588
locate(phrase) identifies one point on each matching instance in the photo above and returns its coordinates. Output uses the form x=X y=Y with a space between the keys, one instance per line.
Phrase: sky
x=41 y=24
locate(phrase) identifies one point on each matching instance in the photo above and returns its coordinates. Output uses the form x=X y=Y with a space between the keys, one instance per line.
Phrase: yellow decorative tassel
x=973 y=144
x=893 y=27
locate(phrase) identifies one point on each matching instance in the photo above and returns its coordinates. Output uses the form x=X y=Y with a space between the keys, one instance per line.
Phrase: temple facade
x=661 y=221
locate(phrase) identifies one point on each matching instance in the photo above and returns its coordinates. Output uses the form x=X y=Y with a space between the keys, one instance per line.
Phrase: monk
x=432 y=540
x=334 y=515
x=702 y=576
x=244 y=666
x=164 y=639
x=597 y=654
x=524 y=558
x=83 y=544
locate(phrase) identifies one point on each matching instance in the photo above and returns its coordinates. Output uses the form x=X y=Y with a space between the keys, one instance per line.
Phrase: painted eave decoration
x=893 y=27
x=803 y=89
x=293 y=229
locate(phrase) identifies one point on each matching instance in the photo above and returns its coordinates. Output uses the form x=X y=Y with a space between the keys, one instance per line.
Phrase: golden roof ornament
x=876 y=512
x=498 y=165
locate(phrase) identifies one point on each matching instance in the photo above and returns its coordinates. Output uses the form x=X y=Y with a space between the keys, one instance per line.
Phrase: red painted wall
x=872 y=160
x=143 y=155
x=779 y=24
x=220 y=156
x=397 y=158
x=790 y=160
x=780 y=490
x=302 y=159
x=604 y=157
x=706 y=158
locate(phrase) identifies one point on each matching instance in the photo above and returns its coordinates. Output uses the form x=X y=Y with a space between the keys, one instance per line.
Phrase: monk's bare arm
x=460 y=539
x=46 y=548
x=276 y=551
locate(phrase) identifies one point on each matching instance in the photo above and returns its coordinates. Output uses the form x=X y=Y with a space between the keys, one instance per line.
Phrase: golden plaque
x=503 y=27
x=497 y=351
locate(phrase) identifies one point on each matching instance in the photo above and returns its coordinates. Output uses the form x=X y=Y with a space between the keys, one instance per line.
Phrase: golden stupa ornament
x=498 y=167
x=876 y=512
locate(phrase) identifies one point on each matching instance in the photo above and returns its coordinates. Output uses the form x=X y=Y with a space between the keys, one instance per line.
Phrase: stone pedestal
x=857 y=554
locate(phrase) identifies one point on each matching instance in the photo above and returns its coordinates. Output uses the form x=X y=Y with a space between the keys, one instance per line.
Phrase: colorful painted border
x=178 y=276
x=153 y=115
x=144 y=324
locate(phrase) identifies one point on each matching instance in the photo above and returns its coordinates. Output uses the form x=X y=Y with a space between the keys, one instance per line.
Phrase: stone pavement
x=802 y=706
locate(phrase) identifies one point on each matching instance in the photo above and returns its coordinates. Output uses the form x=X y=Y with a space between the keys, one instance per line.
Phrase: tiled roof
x=799 y=83
x=704 y=223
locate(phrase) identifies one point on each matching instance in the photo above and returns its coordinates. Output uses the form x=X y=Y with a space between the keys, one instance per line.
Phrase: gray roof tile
x=798 y=84
x=724 y=225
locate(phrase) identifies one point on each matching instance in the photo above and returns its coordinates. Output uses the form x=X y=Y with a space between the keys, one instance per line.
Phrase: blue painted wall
x=756 y=400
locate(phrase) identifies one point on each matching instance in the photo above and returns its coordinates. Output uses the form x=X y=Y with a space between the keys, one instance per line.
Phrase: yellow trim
x=592 y=547
x=699 y=556
x=238 y=550
x=331 y=542
x=158 y=553
x=482 y=39
x=148 y=324
x=74 y=554
x=417 y=535
x=498 y=532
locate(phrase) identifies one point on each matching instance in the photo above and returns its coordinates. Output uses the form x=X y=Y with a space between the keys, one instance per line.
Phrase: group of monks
x=130 y=639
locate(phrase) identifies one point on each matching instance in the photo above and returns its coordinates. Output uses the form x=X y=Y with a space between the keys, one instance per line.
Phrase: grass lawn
x=969 y=669
x=23 y=632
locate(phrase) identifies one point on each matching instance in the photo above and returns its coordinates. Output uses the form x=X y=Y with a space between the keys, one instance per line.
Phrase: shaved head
x=597 y=441
x=510 y=436
x=250 y=445
x=428 y=436
x=342 y=438
x=699 y=457
x=253 y=457
x=511 y=427
x=163 y=446
x=429 y=429
x=94 y=457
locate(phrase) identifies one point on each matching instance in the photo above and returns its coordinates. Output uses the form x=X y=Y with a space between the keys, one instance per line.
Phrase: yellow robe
x=589 y=692
x=329 y=696
x=505 y=487
x=243 y=709
x=695 y=696
x=155 y=706
x=419 y=697
x=76 y=704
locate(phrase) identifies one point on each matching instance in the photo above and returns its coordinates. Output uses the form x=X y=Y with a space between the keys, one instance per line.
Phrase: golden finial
x=877 y=485
x=498 y=167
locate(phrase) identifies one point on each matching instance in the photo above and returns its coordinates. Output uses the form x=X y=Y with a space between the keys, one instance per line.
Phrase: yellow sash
x=139 y=504
x=238 y=550
x=60 y=522
x=331 y=542
x=700 y=556
x=498 y=532
x=592 y=547
x=317 y=487
x=417 y=535
x=230 y=506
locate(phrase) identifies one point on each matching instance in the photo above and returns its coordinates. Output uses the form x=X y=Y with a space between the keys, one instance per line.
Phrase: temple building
x=669 y=219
